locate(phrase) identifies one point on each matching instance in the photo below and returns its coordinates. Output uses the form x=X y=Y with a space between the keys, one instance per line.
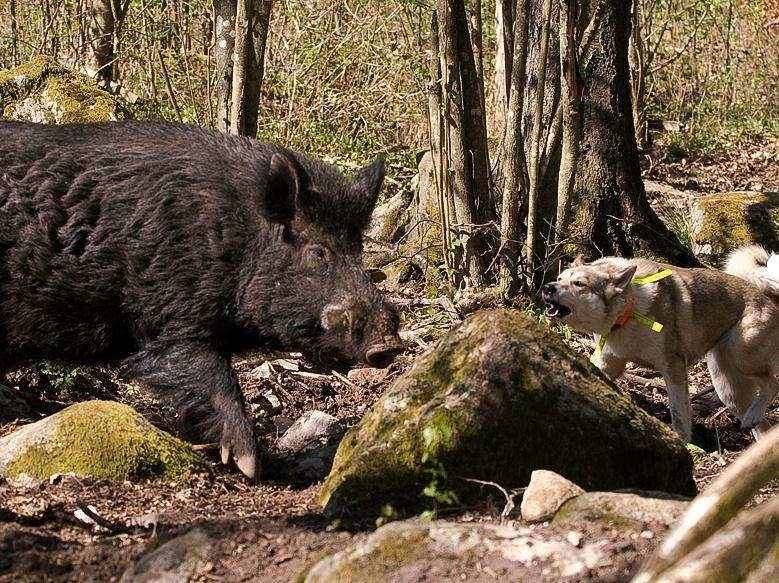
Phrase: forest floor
x=272 y=531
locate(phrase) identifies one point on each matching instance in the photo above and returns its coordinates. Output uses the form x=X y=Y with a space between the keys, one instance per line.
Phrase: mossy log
x=497 y=398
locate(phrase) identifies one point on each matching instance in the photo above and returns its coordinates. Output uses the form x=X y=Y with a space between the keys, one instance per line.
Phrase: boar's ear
x=579 y=260
x=366 y=187
x=284 y=182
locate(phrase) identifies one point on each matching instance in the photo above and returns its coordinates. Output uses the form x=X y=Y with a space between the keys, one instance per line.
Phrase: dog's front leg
x=679 y=400
x=610 y=365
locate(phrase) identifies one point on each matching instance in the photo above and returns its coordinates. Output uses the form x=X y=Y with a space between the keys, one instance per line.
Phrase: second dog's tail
x=754 y=264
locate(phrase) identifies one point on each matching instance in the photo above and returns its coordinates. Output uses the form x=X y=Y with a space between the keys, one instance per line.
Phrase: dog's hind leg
x=737 y=391
x=679 y=399
x=754 y=418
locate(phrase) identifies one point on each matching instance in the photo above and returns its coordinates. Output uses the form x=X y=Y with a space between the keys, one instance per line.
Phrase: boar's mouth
x=382 y=355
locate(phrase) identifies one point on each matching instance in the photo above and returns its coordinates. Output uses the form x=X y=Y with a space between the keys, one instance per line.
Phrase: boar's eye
x=316 y=256
x=579 y=284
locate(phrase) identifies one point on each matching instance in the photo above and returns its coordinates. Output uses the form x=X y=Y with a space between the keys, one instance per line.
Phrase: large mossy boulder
x=98 y=439
x=495 y=399
x=724 y=221
x=41 y=90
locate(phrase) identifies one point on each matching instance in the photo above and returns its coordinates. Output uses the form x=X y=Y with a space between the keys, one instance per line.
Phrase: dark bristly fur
x=169 y=247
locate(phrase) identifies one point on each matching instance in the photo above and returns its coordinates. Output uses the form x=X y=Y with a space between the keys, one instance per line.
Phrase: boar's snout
x=382 y=355
x=366 y=328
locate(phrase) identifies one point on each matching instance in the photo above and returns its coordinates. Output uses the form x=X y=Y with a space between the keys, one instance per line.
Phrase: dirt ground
x=271 y=531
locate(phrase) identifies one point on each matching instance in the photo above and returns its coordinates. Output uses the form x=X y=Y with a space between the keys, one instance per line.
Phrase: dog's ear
x=621 y=280
x=579 y=260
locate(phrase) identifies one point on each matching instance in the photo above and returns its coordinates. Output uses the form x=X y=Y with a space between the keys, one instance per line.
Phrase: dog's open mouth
x=555 y=310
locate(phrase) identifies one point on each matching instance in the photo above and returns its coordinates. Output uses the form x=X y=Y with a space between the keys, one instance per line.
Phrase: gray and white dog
x=667 y=317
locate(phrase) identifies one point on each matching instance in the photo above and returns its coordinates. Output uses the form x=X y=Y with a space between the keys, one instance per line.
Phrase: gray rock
x=620 y=510
x=495 y=399
x=179 y=559
x=545 y=494
x=310 y=443
x=432 y=551
x=310 y=431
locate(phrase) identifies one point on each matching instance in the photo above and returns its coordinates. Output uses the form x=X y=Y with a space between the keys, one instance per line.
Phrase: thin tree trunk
x=535 y=149
x=259 y=24
x=468 y=148
x=252 y=18
x=516 y=179
x=504 y=38
x=224 y=29
x=436 y=120
x=638 y=76
x=240 y=62
x=101 y=39
x=14 y=34
x=571 y=93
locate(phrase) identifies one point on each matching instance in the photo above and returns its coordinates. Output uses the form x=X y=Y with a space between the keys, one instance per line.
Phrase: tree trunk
x=101 y=39
x=224 y=29
x=638 y=76
x=468 y=147
x=14 y=34
x=515 y=181
x=535 y=143
x=252 y=18
x=258 y=39
x=571 y=94
x=612 y=214
x=504 y=40
x=241 y=64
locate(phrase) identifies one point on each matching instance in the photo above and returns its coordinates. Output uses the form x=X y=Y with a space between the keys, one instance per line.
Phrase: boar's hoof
x=246 y=461
x=382 y=355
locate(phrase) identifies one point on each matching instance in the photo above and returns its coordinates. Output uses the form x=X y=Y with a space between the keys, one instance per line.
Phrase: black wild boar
x=167 y=248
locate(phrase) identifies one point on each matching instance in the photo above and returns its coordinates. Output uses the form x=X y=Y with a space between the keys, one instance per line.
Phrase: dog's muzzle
x=554 y=309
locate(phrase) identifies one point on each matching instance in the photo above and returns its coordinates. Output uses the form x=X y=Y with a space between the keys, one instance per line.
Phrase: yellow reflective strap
x=647 y=321
x=598 y=349
x=652 y=278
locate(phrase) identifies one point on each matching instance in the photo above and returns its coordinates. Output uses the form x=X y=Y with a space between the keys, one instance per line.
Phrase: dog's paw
x=752 y=419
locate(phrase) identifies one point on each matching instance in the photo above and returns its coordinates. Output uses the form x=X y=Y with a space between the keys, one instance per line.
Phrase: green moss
x=56 y=93
x=570 y=512
x=104 y=439
x=389 y=555
x=738 y=218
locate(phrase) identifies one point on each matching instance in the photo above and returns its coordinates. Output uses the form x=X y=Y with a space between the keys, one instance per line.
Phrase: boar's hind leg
x=202 y=386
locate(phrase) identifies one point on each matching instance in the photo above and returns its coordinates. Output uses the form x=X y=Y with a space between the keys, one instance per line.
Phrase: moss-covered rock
x=724 y=221
x=621 y=510
x=415 y=550
x=41 y=90
x=99 y=439
x=495 y=399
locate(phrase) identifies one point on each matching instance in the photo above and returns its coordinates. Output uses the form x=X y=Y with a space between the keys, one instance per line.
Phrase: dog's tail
x=754 y=264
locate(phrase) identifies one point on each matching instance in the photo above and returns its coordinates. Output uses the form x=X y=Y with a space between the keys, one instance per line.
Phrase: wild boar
x=166 y=248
